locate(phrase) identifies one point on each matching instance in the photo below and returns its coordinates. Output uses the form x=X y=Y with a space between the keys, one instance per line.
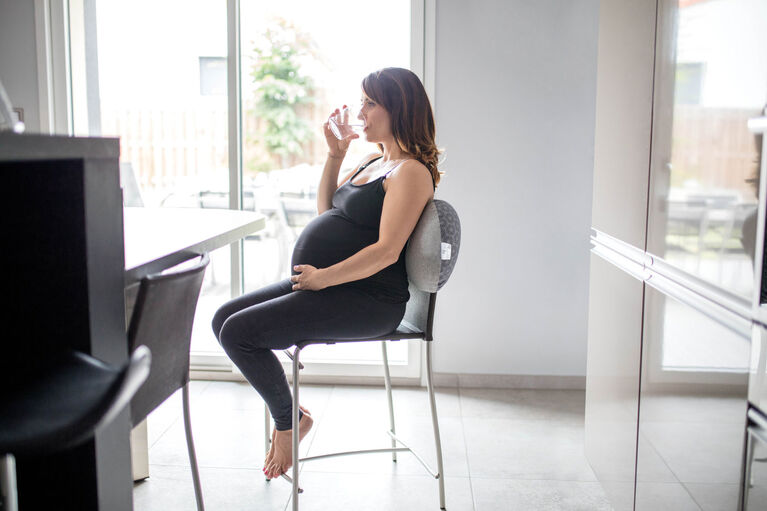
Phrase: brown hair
x=402 y=95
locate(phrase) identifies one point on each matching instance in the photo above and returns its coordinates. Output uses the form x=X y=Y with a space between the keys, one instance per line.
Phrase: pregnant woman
x=349 y=278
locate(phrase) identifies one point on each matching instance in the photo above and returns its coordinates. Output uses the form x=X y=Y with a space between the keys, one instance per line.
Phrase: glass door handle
x=758 y=125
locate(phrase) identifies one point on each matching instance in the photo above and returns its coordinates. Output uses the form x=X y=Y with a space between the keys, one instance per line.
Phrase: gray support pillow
x=433 y=247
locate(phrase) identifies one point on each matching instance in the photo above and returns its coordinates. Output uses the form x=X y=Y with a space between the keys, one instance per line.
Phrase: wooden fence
x=711 y=145
x=167 y=146
x=714 y=146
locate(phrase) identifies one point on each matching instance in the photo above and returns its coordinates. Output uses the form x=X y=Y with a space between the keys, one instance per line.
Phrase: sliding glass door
x=156 y=75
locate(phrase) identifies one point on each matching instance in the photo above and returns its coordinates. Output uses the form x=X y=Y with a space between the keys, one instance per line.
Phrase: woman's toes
x=275 y=470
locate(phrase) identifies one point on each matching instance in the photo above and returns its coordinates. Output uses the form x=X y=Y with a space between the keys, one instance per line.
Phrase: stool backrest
x=430 y=258
x=162 y=320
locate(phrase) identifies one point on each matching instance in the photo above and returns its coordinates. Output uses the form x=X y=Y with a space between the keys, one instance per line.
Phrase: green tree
x=280 y=90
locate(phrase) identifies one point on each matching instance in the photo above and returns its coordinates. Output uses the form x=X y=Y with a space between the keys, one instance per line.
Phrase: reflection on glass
x=712 y=78
x=691 y=423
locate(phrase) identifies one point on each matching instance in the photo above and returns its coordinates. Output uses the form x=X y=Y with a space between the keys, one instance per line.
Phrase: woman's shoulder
x=410 y=175
x=412 y=169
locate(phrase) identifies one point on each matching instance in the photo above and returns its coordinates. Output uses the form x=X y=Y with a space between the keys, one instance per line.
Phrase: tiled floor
x=503 y=450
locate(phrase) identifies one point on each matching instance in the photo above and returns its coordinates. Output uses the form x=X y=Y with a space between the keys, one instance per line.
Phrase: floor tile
x=171 y=489
x=502 y=448
x=226 y=439
x=241 y=396
x=336 y=435
x=527 y=495
x=327 y=491
x=715 y=497
x=523 y=404
x=655 y=496
x=414 y=401
x=165 y=415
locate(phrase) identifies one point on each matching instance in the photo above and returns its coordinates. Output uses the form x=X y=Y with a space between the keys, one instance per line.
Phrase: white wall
x=18 y=58
x=515 y=97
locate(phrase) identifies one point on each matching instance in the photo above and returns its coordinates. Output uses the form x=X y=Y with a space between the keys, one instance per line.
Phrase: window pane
x=160 y=85
x=300 y=60
x=712 y=78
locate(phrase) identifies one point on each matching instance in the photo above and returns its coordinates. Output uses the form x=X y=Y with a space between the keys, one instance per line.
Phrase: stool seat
x=62 y=407
x=401 y=333
x=60 y=403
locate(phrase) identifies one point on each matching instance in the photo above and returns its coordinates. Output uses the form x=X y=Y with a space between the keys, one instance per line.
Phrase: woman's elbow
x=390 y=255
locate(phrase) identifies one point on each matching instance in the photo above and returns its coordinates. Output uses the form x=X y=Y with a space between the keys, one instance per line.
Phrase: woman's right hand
x=337 y=148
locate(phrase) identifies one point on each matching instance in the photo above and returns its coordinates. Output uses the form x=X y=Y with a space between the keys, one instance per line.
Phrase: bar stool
x=63 y=406
x=430 y=257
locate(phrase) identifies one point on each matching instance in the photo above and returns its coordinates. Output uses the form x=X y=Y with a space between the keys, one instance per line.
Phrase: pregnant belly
x=329 y=239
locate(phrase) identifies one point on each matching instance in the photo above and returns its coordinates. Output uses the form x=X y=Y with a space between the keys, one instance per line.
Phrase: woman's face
x=377 y=120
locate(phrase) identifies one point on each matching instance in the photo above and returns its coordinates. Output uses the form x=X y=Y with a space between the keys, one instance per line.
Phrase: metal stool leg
x=296 y=367
x=387 y=379
x=190 y=448
x=8 y=483
x=437 y=441
x=267 y=431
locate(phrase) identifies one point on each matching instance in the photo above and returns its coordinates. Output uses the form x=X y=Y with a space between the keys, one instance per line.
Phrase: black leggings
x=276 y=317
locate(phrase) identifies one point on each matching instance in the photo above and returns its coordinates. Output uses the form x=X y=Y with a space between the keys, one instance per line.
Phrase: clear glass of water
x=346 y=123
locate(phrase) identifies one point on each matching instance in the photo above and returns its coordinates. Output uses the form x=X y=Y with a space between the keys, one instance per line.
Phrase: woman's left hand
x=308 y=278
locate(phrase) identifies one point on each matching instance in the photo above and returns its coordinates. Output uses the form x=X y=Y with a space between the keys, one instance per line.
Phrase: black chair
x=73 y=396
x=162 y=319
x=431 y=254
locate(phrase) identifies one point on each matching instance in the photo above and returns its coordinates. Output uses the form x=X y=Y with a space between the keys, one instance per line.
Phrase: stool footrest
x=350 y=453
x=290 y=480
x=433 y=473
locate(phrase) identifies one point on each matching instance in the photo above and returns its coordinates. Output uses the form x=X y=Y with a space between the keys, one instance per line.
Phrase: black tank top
x=349 y=226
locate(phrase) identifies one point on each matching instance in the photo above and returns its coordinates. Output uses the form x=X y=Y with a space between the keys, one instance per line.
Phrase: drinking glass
x=345 y=124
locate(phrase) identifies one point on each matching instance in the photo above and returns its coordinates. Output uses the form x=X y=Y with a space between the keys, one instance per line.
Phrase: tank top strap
x=363 y=167
x=433 y=184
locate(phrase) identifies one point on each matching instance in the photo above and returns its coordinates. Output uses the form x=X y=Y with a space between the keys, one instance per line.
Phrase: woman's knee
x=238 y=334
x=217 y=323
x=229 y=336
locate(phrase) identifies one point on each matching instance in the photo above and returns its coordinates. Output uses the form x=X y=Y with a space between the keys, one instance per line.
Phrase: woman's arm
x=328 y=183
x=329 y=179
x=409 y=189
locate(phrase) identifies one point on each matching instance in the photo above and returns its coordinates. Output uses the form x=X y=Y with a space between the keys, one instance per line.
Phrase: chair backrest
x=162 y=320
x=430 y=258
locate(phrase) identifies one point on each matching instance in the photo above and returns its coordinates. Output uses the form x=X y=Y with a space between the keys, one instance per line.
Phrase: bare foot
x=270 y=454
x=282 y=448
x=303 y=430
